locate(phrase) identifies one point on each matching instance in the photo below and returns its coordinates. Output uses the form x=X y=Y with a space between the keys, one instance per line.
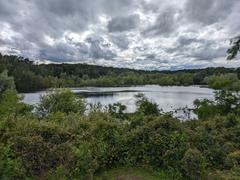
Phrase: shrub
x=85 y=164
x=193 y=164
x=41 y=148
x=225 y=102
x=11 y=105
x=60 y=172
x=117 y=110
x=108 y=140
x=10 y=166
x=62 y=100
x=233 y=159
x=69 y=145
x=145 y=106
x=6 y=82
x=204 y=108
x=154 y=143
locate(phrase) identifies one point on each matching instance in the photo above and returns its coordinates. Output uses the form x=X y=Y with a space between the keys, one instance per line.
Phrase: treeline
x=229 y=81
x=58 y=141
x=31 y=77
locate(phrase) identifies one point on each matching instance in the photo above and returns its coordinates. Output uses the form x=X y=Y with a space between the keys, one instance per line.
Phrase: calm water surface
x=169 y=98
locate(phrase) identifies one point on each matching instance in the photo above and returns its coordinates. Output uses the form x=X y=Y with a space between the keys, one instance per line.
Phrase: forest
x=56 y=139
x=30 y=77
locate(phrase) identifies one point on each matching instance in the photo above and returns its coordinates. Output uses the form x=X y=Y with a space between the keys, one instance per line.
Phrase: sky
x=139 y=34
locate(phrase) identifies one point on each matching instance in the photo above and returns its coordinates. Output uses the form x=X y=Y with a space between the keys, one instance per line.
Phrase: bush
x=204 y=109
x=69 y=145
x=85 y=164
x=11 y=105
x=62 y=100
x=6 y=82
x=224 y=102
x=233 y=159
x=227 y=102
x=117 y=110
x=155 y=142
x=193 y=164
x=10 y=166
x=41 y=148
x=145 y=106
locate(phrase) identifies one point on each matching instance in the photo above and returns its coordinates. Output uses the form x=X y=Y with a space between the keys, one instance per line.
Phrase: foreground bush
x=63 y=143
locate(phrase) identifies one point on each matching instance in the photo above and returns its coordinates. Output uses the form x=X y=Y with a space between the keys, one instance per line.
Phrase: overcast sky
x=142 y=34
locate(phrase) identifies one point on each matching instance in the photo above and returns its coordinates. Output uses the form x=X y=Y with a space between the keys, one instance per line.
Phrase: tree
x=117 y=110
x=61 y=100
x=224 y=81
x=11 y=104
x=145 y=106
x=6 y=82
x=232 y=52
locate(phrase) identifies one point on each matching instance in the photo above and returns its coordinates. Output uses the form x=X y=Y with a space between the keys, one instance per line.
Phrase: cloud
x=120 y=40
x=99 y=48
x=123 y=23
x=164 y=24
x=208 y=11
x=147 y=34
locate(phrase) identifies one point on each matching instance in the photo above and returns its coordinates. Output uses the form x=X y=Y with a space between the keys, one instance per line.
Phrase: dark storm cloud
x=165 y=24
x=199 y=49
x=122 y=33
x=149 y=6
x=208 y=52
x=123 y=23
x=56 y=16
x=99 y=49
x=208 y=11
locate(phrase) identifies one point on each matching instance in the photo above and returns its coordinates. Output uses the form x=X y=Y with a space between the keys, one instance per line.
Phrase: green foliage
x=145 y=106
x=65 y=144
x=233 y=159
x=193 y=164
x=61 y=100
x=205 y=108
x=117 y=110
x=10 y=165
x=58 y=173
x=85 y=162
x=40 y=147
x=157 y=142
x=6 y=82
x=136 y=173
x=228 y=81
x=31 y=77
x=11 y=105
x=232 y=52
x=225 y=102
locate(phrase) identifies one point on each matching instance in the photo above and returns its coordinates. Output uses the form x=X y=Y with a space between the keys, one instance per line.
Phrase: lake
x=169 y=98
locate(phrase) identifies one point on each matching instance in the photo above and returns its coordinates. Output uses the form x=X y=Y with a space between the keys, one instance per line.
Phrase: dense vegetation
x=30 y=77
x=234 y=49
x=56 y=140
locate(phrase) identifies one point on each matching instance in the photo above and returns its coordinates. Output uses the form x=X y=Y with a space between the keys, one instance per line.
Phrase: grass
x=138 y=173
